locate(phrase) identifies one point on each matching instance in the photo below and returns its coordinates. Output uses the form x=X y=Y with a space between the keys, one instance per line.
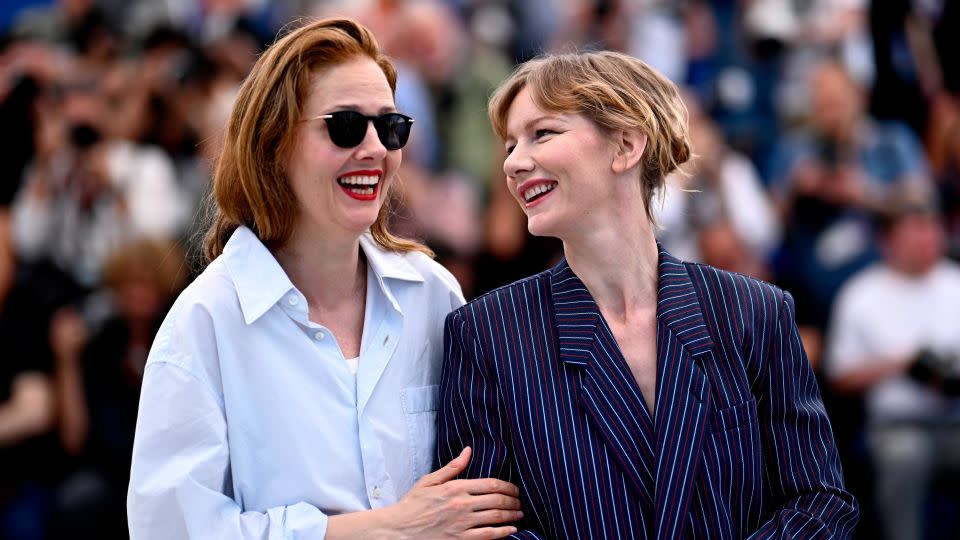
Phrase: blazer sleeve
x=471 y=413
x=802 y=465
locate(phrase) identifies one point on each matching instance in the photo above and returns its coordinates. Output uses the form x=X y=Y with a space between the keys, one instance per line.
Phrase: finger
x=449 y=471
x=483 y=486
x=495 y=517
x=495 y=501
x=490 y=533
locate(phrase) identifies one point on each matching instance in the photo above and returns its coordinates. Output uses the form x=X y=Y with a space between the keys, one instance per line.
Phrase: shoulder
x=188 y=335
x=950 y=271
x=522 y=291
x=435 y=276
x=731 y=289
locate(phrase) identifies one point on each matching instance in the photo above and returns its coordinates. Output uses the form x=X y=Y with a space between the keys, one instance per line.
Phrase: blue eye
x=541 y=133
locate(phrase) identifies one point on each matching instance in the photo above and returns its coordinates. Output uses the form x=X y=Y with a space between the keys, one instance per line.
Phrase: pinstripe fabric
x=740 y=444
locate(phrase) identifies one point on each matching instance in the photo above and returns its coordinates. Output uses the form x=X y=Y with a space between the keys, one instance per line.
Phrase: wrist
x=379 y=524
x=385 y=523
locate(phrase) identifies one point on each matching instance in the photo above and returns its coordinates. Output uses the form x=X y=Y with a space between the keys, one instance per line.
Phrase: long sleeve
x=470 y=413
x=181 y=484
x=802 y=466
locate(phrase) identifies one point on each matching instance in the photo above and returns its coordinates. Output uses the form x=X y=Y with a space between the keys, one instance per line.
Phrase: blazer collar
x=677 y=307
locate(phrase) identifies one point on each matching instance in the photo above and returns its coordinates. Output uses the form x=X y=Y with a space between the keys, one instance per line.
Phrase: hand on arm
x=470 y=414
x=439 y=506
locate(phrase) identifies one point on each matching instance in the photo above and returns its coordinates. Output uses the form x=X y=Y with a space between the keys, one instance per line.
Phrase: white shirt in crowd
x=251 y=424
x=145 y=200
x=882 y=314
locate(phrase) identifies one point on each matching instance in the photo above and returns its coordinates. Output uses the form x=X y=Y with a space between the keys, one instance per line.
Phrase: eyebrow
x=532 y=121
x=355 y=107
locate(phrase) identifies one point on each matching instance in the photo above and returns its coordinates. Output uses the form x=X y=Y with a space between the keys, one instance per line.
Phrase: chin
x=541 y=227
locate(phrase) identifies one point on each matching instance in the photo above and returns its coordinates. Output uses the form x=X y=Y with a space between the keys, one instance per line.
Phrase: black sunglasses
x=348 y=128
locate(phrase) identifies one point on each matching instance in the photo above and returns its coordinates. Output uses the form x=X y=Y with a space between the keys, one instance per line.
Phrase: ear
x=629 y=146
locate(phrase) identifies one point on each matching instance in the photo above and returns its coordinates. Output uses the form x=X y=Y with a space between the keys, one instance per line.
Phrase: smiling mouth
x=363 y=187
x=537 y=192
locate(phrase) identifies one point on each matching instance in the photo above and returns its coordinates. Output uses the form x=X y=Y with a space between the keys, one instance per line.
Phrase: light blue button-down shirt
x=251 y=424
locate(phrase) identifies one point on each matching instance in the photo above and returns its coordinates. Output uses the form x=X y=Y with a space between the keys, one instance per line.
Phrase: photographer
x=88 y=192
x=895 y=339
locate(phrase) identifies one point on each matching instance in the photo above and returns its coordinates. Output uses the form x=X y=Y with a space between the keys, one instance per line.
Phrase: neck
x=618 y=265
x=328 y=271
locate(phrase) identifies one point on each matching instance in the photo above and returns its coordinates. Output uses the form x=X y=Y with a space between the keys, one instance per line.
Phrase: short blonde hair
x=249 y=185
x=616 y=92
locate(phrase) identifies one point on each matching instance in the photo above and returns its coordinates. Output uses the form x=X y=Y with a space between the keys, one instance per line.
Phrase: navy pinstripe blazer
x=739 y=446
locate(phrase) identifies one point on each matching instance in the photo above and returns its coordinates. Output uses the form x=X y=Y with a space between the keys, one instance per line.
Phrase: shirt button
x=377 y=493
x=319 y=336
x=292 y=300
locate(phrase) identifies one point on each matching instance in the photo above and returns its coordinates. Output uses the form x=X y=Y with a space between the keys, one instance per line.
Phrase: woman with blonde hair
x=630 y=394
x=291 y=391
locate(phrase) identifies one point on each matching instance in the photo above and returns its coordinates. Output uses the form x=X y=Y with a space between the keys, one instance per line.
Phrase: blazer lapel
x=608 y=393
x=683 y=394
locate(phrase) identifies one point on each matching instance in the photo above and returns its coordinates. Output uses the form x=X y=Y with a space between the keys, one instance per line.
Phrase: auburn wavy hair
x=249 y=185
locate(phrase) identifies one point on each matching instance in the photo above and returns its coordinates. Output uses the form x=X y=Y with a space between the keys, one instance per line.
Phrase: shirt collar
x=388 y=265
x=258 y=277
x=261 y=282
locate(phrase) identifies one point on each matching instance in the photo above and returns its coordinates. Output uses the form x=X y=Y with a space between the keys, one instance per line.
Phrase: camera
x=84 y=135
x=937 y=369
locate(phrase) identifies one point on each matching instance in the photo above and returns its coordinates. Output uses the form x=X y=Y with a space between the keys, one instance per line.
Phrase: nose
x=517 y=161
x=370 y=147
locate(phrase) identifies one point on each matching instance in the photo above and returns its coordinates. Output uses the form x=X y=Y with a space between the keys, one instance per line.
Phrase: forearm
x=376 y=524
x=874 y=371
x=71 y=405
x=28 y=412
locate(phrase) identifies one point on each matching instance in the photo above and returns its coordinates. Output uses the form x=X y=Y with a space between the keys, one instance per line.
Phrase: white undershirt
x=353 y=364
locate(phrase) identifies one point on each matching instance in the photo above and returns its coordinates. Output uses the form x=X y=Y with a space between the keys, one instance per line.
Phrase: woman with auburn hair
x=291 y=391
x=630 y=394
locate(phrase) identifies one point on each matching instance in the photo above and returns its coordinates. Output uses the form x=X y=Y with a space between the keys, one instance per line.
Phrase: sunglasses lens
x=393 y=130
x=347 y=128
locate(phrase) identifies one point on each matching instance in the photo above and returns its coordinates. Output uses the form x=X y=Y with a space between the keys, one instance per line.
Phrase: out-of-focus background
x=828 y=143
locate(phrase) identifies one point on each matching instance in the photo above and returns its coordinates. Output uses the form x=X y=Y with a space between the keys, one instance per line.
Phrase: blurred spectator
x=26 y=405
x=98 y=375
x=86 y=192
x=659 y=37
x=720 y=188
x=908 y=70
x=733 y=77
x=895 y=338
x=826 y=179
x=16 y=114
x=943 y=149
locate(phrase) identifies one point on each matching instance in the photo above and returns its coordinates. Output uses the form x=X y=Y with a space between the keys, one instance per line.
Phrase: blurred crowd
x=827 y=141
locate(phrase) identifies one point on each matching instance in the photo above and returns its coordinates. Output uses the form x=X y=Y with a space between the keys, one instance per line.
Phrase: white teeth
x=529 y=194
x=359 y=180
